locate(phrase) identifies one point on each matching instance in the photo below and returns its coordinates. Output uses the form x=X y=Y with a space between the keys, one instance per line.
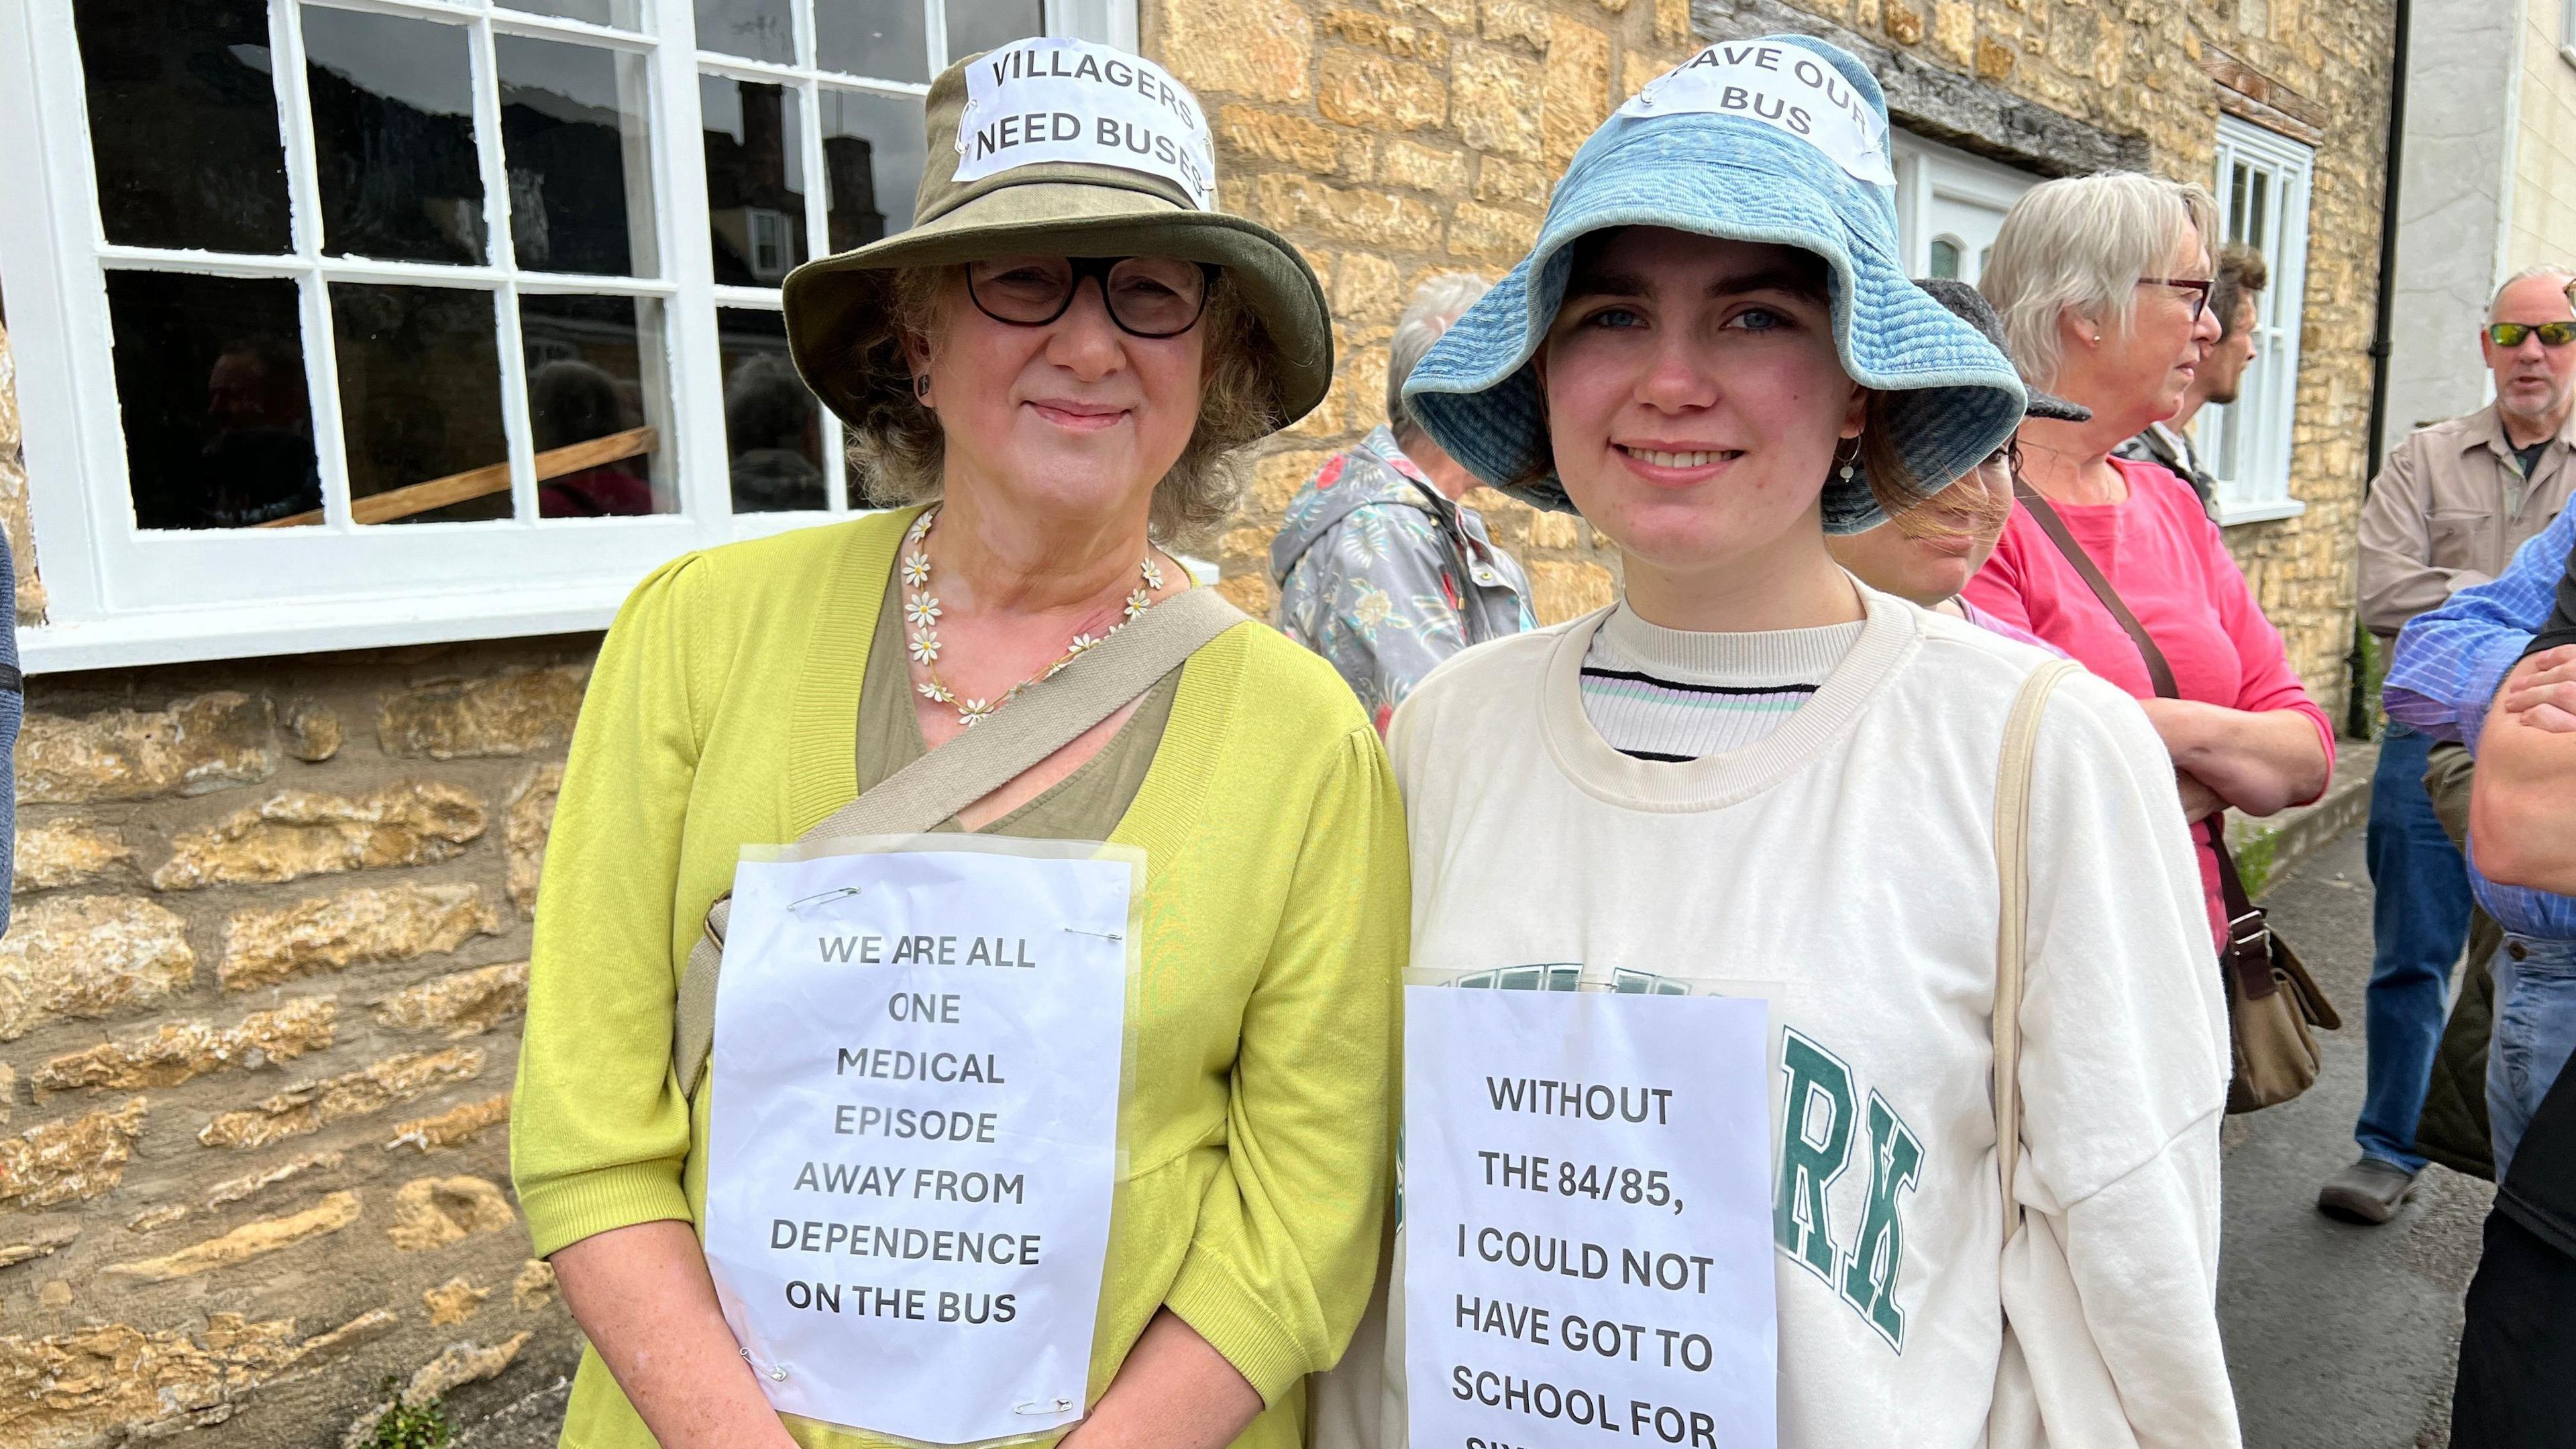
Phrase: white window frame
x=1927 y=171
x=119 y=596
x=2260 y=489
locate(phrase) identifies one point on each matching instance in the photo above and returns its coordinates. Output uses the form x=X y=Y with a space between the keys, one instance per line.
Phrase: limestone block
x=297 y=833
x=452 y=1128
x=395 y=923
x=1379 y=93
x=461 y=1003
x=523 y=838
x=1954 y=30
x=250 y=1240
x=313 y=731
x=1254 y=48
x=89 y=956
x=235 y=1189
x=310 y=1106
x=1364 y=378
x=534 y=1288
x=1994 y=61
x=1251 y=593
x=1514 y=20
x=514 y=712
x=1395 y=37
x=8 y=1089
x=1903 y=22
x=41 y=1239
x=431 y=1212
x=1458 y=15
x=1502 y=179
x=1553 y=530
x=1577 y=97
x=211 y=742
x=453 y=1301
x=19 y=536
x=154 y=1219
x=1494 y=99
x=1369 y=290
x=70 y=1159
x=1673 y=24
x=8 y=396
x=1560 y=590
x=1347 y=214
x=1492 y=232
x=1277 y=478
x=181 y=1050
x=73 y=850
x=114 y=1383
x=1292 y=140
x=1402 y=163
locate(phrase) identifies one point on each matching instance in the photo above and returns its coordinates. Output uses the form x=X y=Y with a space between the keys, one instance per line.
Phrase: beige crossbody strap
x=2012 y=927
x=1044 y=719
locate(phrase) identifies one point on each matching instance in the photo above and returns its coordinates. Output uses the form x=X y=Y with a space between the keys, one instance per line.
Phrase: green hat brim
x=836 y=307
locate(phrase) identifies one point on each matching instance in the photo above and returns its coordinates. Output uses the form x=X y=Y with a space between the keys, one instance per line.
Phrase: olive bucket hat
x=1781 y=139
x=1065 y=148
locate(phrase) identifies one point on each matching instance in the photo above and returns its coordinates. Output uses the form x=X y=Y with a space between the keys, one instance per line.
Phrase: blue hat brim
x=1955 y=398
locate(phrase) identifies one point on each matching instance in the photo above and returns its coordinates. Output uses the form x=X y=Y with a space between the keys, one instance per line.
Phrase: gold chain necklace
x=921 y=617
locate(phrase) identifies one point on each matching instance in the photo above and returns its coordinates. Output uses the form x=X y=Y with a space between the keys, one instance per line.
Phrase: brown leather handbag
x=2273 y=1004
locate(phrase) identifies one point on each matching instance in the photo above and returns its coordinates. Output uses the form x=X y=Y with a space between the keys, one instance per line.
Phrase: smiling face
x=1074 y=418
x=1967 y=518
x=1693 y=396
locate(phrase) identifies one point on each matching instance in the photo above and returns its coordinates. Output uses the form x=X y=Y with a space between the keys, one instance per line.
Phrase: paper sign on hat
x=1070 y=100
x=1788 y=88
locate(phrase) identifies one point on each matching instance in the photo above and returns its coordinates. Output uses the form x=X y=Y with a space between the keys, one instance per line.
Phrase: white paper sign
x=914 y=1130
x=1787 y=87
x=1588 y=1221
x=1071 y=100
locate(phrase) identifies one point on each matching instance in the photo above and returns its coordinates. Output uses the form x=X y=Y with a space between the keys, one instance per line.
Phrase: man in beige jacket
x=2452 y=504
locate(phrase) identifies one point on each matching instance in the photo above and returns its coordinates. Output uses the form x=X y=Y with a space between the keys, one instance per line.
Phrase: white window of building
x=360 y=322
x=1949 y=206
x=2263 y=181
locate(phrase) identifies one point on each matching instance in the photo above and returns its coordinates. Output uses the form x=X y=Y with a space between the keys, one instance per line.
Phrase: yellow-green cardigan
x=722 y=713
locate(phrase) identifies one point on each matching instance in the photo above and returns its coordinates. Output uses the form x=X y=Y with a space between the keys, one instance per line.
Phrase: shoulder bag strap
x=2012 y=925
x=2055 y=527
x=1044 y=719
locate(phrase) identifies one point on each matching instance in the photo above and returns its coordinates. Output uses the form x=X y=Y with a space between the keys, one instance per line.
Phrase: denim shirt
x=1385 y=577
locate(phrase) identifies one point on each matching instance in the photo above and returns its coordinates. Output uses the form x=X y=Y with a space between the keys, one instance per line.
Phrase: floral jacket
x=1383 y=576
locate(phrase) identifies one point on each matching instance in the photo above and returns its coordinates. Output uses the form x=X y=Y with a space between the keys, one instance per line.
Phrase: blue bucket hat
x=1782 y=139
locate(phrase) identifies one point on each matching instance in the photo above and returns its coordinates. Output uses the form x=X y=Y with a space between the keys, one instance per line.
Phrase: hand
x=2199 y=802
x=2542 y=690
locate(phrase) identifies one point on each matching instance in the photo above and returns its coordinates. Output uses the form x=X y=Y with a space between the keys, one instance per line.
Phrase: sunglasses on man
x=2552 y=334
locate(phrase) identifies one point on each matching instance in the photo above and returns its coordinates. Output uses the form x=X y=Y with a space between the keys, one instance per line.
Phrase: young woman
x=1053 y=416
x=1753 y=769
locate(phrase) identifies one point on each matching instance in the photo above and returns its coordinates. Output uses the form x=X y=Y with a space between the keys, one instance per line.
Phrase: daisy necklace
x=921 y=619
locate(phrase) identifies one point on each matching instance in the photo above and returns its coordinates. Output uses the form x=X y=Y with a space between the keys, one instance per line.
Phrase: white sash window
x=387 y=321
x=2263 y=180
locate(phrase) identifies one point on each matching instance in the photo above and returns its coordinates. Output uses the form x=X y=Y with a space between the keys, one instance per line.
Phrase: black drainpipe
x=2357 y=707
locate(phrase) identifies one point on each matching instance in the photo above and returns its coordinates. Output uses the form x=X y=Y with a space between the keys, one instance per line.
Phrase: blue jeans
x=2419 y=921
x=2535 y=1025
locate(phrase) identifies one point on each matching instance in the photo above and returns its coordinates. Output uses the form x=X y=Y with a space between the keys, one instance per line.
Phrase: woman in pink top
x=2103 y=283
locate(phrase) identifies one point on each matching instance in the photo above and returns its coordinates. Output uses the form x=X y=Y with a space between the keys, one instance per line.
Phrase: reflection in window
x=755 y=179
x=873 y=148
x=573 y=132
x=976 y=26
x=420 y=404
x=598 y=390
x=885 y=39
x=622 y=14
x=210 y=383
x=773 y=426
x=758 y=29
x=183 y=123
x=393 y=137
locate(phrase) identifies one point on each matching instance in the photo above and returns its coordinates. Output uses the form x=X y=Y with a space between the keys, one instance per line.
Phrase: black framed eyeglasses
x=2197 y=286
x=2552 y=334
x=1152 y=297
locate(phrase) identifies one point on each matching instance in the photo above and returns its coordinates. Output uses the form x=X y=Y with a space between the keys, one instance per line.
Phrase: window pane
x=883 y=39
x=976 y=26
x=773 y=426
x=1945 y=258
x=210 y=384
x=573 y=130
x=760 y=29
x=183 y=123
x=393 y=137
x=2241 y=177
x=2258 y=231
x=420 y=403
x=755 y=179
x=597 y=376
x=873 y=147
x=619 y=13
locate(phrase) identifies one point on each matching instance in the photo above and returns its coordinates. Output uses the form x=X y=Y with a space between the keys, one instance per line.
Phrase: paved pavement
x=2337 y=1335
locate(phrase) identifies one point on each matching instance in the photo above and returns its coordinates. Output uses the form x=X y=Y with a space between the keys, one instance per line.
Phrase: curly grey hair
x=899 y=449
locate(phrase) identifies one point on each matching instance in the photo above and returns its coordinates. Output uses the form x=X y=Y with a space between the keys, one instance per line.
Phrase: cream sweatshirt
x=1847 y=860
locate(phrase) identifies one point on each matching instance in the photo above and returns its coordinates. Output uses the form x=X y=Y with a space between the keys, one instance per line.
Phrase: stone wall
x=258 y=1022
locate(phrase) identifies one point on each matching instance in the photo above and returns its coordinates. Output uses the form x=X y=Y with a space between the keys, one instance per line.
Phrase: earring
x=921 y=388
x=1846 y=463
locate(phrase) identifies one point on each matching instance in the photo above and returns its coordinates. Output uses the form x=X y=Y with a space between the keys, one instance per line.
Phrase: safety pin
x=1047 y=1406
x=1103 y=935
x=830 y=895
x=776 y=1373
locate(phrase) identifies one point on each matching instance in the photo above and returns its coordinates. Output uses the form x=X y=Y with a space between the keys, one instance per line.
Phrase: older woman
x=2103 y=284
x=1051 y=367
